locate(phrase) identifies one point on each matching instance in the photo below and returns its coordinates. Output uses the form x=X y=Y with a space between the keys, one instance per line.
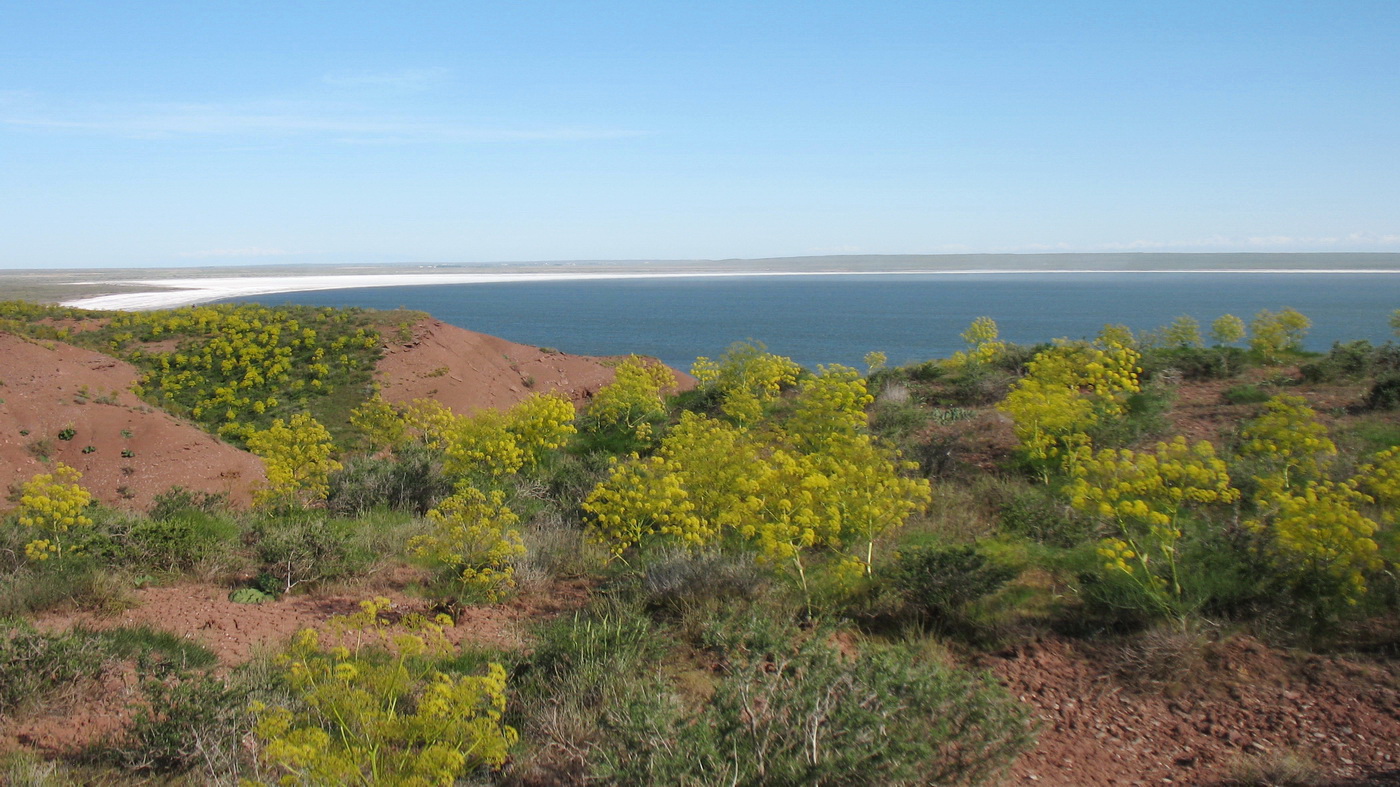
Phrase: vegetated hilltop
x=60 y=403
x=1176 y=563
x=233 y=370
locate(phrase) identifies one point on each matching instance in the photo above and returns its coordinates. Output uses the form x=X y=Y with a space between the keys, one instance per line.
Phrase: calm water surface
x=837 y=319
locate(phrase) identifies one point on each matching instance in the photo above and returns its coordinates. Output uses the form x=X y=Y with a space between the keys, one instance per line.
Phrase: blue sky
x=194 y=133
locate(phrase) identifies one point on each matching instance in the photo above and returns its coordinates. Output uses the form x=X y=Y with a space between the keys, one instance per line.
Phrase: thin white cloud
x=275 y=120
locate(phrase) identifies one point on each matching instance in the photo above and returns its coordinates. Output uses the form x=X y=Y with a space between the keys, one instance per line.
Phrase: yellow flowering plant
x=473 y=533
x=298 y=458
x=371 y=707
x=1144 y=494
x=52 y=504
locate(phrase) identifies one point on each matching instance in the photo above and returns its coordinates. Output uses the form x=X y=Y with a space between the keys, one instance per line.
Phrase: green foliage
x=788 y=709
x=235 y=368
x=298 y=460
x=374 y=708
x=302 y=548
x=936 y=583
x=686 y=580
x=34 y=664
x=184 y=719
x=412 y=479
x=178 y=500
x=176 y=542
x=1274 y=335
x=1384 y=394
x=1351 y=361
x=1195 y=363
x=250 y=596
x=1247 y=393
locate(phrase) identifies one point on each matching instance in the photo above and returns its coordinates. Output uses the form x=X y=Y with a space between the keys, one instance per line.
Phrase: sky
x=226 y=133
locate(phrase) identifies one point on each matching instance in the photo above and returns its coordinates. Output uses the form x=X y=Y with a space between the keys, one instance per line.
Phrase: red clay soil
x=237 y=632
x=469 y=371
x=1242 y=701
x=1200 y=411
x=51 y=387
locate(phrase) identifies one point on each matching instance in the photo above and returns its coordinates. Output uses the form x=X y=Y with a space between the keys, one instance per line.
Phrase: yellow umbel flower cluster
x=1287 y=441
x=236 y=364
x=747 y=378
x=1144 y=493
x=1067 y=389
x=1318 y=532
x=474 y=533
x=373 y=709
x=1149 y=487
x=52 y=503
x=636 y=395
x=495 y=444
x=820 y=482
x=982 y=346
x=298 y=460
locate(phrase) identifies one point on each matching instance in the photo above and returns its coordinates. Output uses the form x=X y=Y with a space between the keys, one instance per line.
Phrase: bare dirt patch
x=60 y=403
x=469 y=371
x=1243 y=701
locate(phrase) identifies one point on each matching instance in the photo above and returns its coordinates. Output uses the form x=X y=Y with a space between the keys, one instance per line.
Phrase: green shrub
x=789 y=709
x=411 y=480
x=1195 y=363
x=1352 y=360
x=1245 y=394
x=178 y=540
x=187 y=721
x=1044 y=518
x=33 y=664
x=584 y=669
x=684 y=580
x=937 y=583
x=1384 y=394
x=303 y=548
x=178 y=500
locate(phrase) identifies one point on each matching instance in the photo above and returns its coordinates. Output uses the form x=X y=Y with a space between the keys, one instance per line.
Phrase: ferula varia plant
x=494 y=444
x=1319 y=538
x=636 y=396
x=982 y=345
x=822 y=482
x=1144 y=493
x=298 y=460
x=370 y=707
x=473 y=533
x=1067 y=389
x=747 y=378
x=50 y=505
x=1287 y=441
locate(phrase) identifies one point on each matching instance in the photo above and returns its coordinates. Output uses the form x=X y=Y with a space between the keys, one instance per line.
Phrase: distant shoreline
x=173 y=293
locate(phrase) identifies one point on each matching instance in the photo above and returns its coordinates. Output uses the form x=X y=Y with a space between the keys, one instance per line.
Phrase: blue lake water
x=837 y=319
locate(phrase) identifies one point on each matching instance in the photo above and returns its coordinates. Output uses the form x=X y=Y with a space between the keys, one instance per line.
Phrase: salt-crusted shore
x=172 y=293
